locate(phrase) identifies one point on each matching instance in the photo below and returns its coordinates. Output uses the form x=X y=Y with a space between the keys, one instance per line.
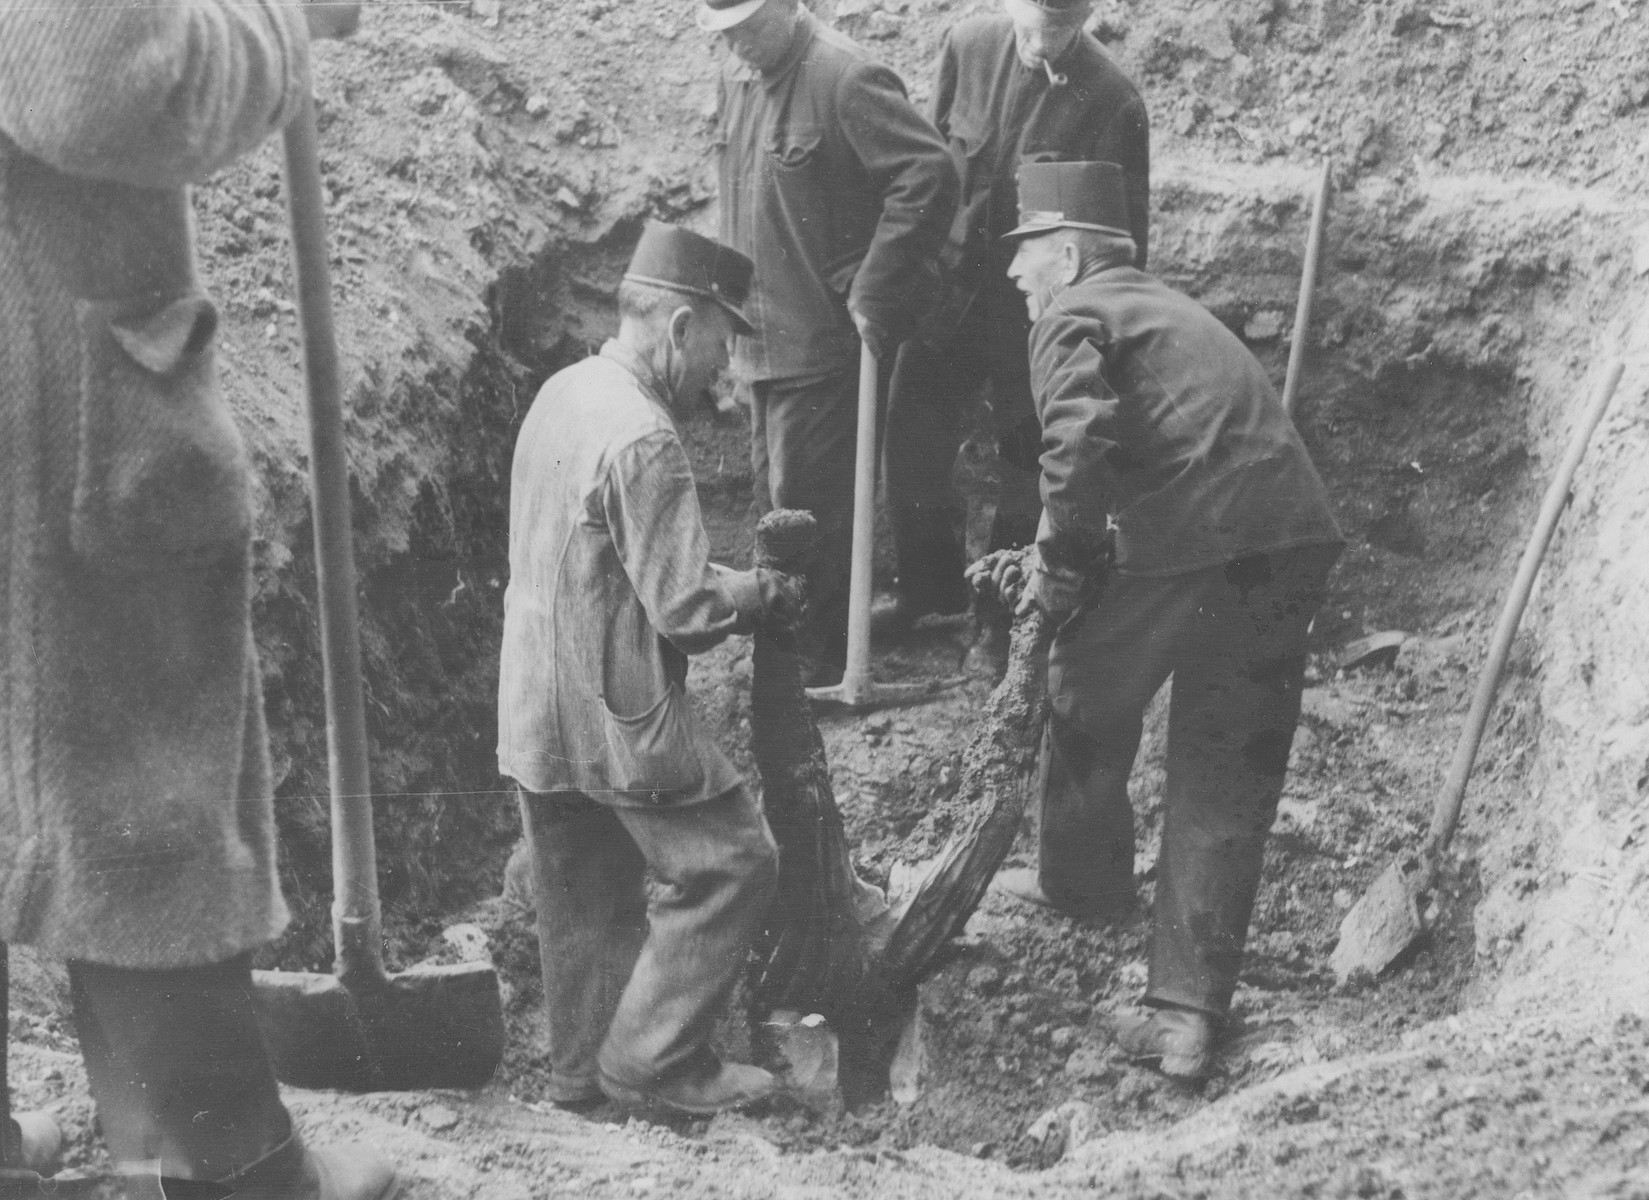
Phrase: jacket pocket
x=796 y=148
x=161 y=480
x=654 y=752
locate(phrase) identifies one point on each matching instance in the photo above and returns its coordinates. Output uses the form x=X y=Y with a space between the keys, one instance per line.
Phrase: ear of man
x=680 y=322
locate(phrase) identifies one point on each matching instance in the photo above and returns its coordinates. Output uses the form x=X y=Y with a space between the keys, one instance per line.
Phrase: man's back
x=1155 y=412
x=610 y=585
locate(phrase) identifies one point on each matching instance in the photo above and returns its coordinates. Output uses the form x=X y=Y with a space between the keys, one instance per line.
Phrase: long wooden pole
x=355 y=909
x=1446 y=812
x=1308 y=289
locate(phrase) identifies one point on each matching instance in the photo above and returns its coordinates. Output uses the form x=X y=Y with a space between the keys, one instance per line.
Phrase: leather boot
x=293 y=1172
x=1179 y=1042
x=706 y=1086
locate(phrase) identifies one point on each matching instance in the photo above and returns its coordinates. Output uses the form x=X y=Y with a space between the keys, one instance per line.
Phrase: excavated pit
x=1488 y=246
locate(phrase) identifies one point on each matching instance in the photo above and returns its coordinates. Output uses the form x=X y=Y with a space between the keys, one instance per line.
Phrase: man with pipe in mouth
x=841 y=192
x=611 y=588
x=1027 y=84
x=1158 y=423
x=137 y=834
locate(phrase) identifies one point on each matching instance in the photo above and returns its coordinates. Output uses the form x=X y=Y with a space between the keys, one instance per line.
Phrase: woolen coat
x=136 y=826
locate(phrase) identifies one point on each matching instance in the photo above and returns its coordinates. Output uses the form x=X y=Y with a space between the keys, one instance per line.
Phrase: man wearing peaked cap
x=611 y=588
x=841 y=192
x=1157 y=423
x=1023 y=84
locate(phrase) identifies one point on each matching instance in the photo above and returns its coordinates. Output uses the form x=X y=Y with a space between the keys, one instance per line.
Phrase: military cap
x=669 y=256
x=1071 y=195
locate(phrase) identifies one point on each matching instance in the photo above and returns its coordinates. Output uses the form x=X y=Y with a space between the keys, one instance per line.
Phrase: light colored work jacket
x=611 y=588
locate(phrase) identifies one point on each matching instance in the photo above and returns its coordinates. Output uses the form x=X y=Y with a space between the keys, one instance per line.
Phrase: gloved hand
x=1001 y=574
x=1020 y=579
x=782 y=595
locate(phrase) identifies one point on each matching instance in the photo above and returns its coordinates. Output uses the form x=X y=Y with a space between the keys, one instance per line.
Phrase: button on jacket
x=1155 y=413
x=998 y=113
x=840 y=191
x=610 y=589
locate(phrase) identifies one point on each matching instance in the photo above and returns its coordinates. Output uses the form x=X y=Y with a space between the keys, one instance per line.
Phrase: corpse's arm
x=652 y=510
x=154 y=94
x=1079 y=414
x=910 y=168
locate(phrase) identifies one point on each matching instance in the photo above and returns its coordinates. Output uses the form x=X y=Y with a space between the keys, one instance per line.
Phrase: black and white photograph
x=824 y=599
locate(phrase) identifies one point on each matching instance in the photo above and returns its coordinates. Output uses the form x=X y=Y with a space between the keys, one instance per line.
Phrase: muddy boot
x=1179 y=1042
x=292 y=1172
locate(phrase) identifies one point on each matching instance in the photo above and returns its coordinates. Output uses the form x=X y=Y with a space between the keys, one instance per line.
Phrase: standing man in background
x=1156 y=417
x=1023 y=85
x=137 y=835
x=841 y=193
x=611 y=588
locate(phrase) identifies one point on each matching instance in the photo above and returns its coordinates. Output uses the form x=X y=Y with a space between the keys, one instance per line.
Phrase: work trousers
x=927 y=403
x=1233 y=639
x=178 y=1068
x=635 y=970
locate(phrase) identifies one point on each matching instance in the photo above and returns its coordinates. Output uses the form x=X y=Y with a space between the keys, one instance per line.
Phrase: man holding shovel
x=611 y=588
x=1156 y=418
x=841 y=192
x=137 y=835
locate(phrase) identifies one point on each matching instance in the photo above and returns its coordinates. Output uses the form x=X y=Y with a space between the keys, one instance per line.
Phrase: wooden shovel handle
x=1446 y=813
x=1308 y=292
x=355 y=909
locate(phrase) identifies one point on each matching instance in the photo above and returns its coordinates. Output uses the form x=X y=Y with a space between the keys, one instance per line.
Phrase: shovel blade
x=428 y=1027
x=1380 y=927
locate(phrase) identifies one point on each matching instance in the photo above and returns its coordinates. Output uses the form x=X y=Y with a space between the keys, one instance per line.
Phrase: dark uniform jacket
x=1155 y=413
x=841 y=193
x=997 y=114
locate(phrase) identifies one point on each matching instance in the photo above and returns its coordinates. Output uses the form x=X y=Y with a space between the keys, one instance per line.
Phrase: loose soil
x=488 y=166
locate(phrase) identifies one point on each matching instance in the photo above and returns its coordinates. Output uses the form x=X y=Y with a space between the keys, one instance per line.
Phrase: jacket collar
x=646 y=378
